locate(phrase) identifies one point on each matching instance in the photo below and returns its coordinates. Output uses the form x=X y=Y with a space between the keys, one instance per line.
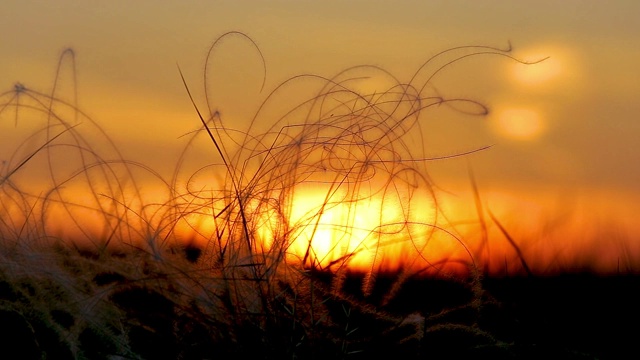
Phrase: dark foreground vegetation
x=84 y=308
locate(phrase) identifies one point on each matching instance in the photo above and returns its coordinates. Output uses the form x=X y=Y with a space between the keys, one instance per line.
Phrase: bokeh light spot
x=519 y=123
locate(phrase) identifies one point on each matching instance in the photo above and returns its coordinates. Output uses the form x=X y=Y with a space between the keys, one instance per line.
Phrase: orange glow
x=519 y=123
x=560 y=67
x=370 y=236
x=540 y=73
x=339 y=229
x=330 y=232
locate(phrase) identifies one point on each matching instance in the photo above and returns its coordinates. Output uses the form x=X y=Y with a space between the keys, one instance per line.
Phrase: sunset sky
x=564 y=133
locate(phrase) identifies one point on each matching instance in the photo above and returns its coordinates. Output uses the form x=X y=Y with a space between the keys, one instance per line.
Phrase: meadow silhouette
x=314 y=232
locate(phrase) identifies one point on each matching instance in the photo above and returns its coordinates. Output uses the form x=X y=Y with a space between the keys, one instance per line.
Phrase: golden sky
x=564 y=131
